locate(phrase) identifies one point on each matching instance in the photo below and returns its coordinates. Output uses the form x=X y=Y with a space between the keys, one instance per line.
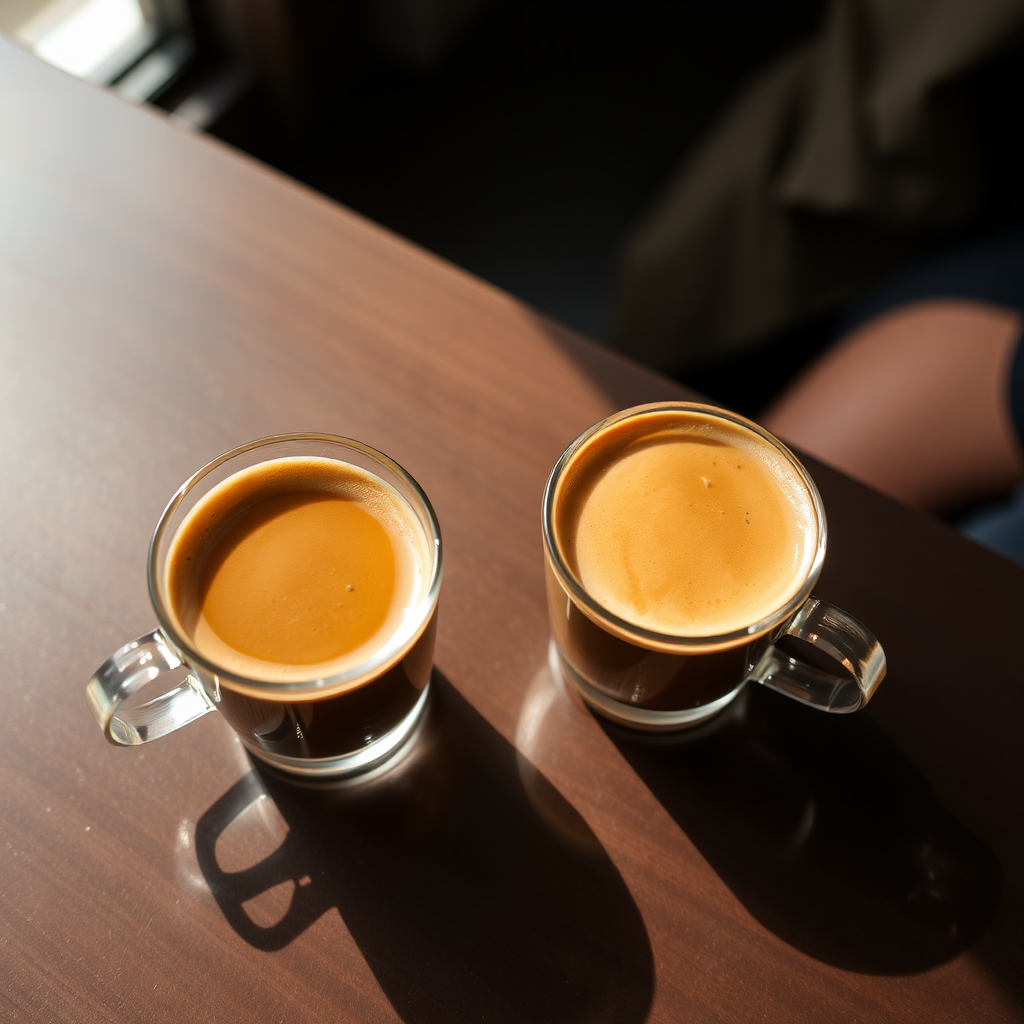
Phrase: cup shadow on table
x=825 y=833
x=472 y=887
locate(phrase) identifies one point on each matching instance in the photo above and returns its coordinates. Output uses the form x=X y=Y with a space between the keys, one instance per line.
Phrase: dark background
x=526 y=145
x=523 y=140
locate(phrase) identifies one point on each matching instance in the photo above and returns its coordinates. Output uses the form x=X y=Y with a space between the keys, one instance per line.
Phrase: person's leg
x=915 y=403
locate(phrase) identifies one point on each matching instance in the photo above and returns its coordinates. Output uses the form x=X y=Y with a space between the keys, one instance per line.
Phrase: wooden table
x=162 y=299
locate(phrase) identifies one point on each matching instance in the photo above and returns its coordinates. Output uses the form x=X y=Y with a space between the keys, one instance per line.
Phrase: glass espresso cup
x=682 y=543
x=295 y=581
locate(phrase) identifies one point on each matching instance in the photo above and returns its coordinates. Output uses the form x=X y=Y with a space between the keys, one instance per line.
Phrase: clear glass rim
x=666 y=641
x=322 y=686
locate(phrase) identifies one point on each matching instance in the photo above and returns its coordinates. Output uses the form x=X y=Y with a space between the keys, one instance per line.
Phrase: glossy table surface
x=163 y=299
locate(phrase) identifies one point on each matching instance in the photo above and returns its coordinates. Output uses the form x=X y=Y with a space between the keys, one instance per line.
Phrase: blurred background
x=705 y=184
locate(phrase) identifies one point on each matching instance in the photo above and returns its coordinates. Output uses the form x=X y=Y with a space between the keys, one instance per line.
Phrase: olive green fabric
x=832 y=167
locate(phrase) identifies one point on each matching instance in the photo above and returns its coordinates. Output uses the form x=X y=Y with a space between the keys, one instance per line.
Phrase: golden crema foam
x=296 y=569
x=685 y=524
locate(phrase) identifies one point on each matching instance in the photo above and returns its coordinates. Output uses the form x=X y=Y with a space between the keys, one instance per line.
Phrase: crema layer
x=296 y=569
x=686 y=524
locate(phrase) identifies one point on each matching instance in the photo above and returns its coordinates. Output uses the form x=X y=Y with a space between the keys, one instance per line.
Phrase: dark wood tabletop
x=163 y=299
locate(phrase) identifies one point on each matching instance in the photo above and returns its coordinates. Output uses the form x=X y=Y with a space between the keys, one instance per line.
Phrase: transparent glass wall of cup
x=658 y=682
x=326 y=727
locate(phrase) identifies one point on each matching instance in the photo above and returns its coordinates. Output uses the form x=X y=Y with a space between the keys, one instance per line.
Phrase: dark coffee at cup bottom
x=637 y=676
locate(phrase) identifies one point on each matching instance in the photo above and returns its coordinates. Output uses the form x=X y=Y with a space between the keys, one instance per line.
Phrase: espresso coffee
x=301 y=569
x=685 y=524
x=691 y=534
x=295 y=569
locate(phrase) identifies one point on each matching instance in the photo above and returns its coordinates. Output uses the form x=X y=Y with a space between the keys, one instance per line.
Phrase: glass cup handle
x=128 y=670
x=830 y=630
